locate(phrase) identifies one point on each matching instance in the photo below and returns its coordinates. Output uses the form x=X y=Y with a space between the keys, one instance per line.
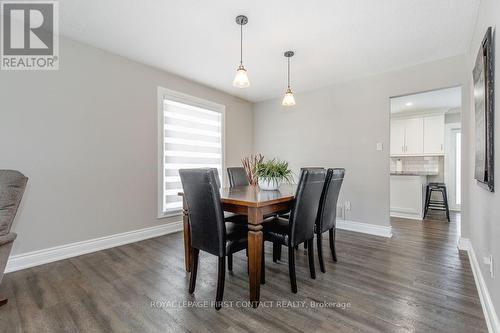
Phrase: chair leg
x=319 y=241
x=4 y=301
x=310 y=254
x=194 y=269
x=221 y=275
x=278 y=256
x=305 y=245
x=248 y=262
x=428 y=194
x=445 y=197
x=263 y=267
x=291 y=269
x=275 y=252
x=230 y=262
x=332 y=233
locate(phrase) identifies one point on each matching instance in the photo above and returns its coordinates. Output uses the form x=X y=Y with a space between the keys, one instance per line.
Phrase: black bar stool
x=437 y=204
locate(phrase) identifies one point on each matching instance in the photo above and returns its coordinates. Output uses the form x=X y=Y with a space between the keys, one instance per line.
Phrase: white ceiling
x=333 y=40
x=443 y=99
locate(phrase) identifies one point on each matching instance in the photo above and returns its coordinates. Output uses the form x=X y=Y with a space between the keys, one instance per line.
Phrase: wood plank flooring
x=415 y=282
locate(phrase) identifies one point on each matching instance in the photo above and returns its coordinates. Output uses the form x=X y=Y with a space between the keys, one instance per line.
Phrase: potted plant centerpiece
x=272 y=173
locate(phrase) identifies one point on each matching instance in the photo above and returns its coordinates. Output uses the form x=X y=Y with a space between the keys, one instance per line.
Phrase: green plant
x=274 y=170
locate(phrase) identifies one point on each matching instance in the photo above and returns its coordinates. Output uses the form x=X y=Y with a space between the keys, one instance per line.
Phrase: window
x=191 y=136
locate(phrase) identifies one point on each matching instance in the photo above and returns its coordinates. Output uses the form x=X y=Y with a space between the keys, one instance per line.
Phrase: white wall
x=339 y=126
x=483 y=207
x=86 y=136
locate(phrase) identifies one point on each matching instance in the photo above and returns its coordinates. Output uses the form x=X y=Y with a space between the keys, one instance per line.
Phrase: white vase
x=271 y=185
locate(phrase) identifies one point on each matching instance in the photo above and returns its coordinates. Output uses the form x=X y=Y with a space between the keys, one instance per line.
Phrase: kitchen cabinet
x=414 y=137
x=417 y=136
x=434 y=135
x=407 y=196
x=397 y=137
x=407 y=136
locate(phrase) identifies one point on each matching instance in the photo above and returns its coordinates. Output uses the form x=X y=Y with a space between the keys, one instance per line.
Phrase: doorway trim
x=449 y=164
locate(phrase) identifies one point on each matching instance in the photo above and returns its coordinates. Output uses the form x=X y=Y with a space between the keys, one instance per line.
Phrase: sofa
x=12 y=185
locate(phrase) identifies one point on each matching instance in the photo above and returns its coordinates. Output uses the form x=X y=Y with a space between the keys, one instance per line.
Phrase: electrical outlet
x=380 y=146
x=489 y=261
x=340 y=212
x=347 y=206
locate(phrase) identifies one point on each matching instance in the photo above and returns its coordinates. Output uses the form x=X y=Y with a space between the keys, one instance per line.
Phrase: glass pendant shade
x=289 y=99
x=241 y=78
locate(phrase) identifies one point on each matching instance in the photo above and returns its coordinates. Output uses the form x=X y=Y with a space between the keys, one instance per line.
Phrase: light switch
x=380 y=146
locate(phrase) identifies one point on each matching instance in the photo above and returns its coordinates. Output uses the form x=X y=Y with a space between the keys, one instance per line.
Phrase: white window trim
x=164 y=93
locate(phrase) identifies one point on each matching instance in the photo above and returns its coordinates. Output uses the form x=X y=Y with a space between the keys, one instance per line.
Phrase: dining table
x=256 y=204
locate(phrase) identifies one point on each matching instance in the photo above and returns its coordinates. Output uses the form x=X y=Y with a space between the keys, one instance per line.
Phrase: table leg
x=187 y=238
x=255 y=239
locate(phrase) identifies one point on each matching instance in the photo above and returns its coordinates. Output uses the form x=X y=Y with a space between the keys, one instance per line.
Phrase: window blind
x=192 y=139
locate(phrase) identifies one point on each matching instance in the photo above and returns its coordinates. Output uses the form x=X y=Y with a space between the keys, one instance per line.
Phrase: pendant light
x=241 y=77
x=288 y=100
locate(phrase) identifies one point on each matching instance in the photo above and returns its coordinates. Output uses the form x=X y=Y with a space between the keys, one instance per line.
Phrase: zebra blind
x=192 y=139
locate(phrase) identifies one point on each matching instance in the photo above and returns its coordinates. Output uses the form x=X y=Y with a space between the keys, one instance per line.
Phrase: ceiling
x=439 y=100
x=333 y=41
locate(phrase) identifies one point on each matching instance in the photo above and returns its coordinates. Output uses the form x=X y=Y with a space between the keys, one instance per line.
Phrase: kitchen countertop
x=413 y=173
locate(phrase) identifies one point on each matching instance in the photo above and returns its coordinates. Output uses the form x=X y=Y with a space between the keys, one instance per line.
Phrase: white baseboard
x=463 y=244
x=40 y=257
x=407 y=216
x=45 y=256
x=488 y=309
x=404 y=213
x=365 y=228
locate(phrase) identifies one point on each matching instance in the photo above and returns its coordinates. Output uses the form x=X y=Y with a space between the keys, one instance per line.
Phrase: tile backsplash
x=420 y=164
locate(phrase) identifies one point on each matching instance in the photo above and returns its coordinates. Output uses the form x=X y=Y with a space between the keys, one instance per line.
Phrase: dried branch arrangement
x=249 y=163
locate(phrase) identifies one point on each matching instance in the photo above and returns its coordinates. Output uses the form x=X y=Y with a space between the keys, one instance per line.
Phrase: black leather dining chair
x=228 y=216
x=327 y=212
x=237 y=176
x=300 y=227
x=209 y=231
x=287 y=215
x=301 y=169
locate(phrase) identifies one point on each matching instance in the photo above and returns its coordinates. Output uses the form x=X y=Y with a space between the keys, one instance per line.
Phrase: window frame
x=167 y=94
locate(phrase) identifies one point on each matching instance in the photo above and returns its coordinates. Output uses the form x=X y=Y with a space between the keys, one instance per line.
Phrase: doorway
x=425 y=143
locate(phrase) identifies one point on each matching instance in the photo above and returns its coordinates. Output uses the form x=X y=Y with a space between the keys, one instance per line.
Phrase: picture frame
x=484 y=110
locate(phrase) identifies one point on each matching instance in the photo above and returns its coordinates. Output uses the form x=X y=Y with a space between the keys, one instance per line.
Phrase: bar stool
x=437 y=204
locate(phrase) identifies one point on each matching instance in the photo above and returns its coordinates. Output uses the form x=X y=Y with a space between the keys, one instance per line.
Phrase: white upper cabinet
x=397 y=137
x=434 y=135
x=414 y=136
x=417 y=136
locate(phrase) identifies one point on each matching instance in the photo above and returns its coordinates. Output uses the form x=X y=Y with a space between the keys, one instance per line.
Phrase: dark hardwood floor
x=415 y=282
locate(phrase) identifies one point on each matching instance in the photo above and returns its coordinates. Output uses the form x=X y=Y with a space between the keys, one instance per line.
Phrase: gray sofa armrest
x=9 y=238
x=6 y=242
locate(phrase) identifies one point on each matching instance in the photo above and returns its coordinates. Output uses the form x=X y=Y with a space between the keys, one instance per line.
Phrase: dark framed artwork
x=484 y=109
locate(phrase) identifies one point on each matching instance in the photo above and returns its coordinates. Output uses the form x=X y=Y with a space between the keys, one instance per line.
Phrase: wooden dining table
x=255 y=204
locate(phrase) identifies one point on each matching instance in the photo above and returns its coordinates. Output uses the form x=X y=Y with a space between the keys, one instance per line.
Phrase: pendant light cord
x=288 y=72
x=241 y=44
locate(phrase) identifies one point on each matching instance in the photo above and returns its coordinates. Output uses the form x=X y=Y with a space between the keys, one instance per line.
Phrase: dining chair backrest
x=206 y=217
x=305 y=210
x=217 y=177
x=312 y=168
x=327 y=212
x=237 y=176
